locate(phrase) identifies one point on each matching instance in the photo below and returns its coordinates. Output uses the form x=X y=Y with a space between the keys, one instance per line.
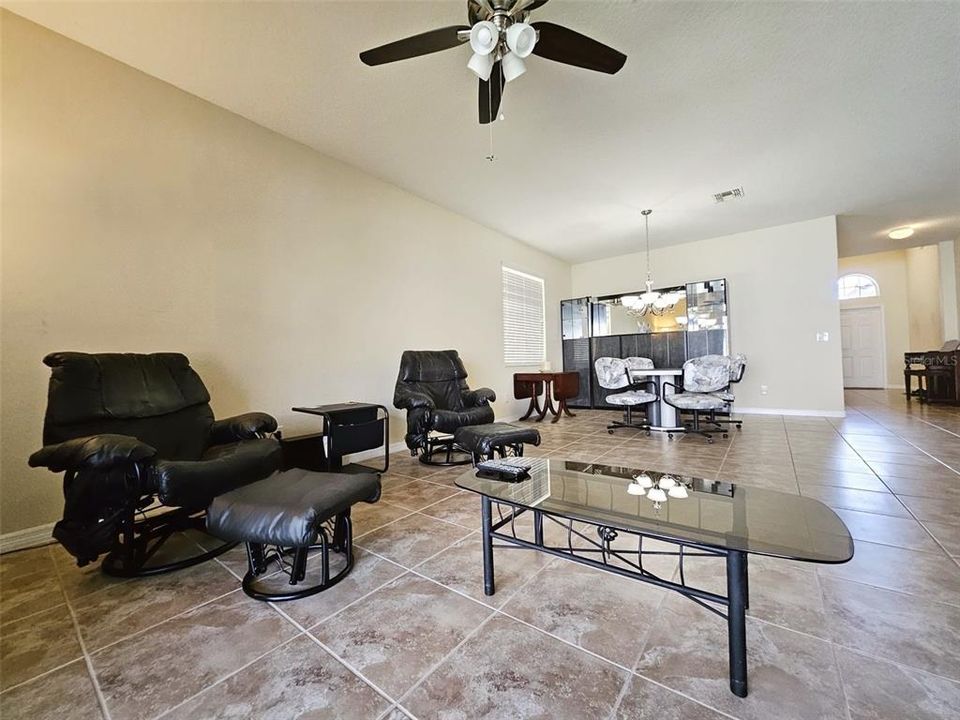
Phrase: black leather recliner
x=129 y=430
x=432 y=388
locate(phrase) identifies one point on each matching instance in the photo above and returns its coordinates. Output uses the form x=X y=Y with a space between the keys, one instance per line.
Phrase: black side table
x=347 y=428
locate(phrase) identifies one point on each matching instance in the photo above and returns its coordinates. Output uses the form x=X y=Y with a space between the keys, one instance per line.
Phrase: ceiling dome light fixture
x=901 y=233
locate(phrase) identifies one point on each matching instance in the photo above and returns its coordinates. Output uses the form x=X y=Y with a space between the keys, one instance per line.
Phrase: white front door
x=861 y=340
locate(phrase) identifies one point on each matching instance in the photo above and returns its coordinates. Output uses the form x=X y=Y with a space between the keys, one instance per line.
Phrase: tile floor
x=410 y=633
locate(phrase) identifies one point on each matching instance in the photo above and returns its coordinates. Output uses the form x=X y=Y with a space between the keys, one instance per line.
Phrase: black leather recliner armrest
x=409 y=399
x=100 y=452
x=241 y=427
x=478 y=397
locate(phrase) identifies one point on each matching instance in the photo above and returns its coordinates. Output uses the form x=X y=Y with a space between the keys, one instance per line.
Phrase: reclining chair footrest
x=281 y=520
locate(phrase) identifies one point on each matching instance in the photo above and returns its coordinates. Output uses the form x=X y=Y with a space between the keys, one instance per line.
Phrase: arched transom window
x=856 y=285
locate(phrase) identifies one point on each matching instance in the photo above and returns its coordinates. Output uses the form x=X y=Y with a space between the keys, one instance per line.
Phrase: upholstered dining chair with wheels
x=432 y=388
x=142 y=455
x=738 y=365
x=615 y=374
x=702 y=376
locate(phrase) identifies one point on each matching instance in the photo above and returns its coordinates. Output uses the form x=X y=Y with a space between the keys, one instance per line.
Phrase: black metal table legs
x=485 y=512
x=737 y=620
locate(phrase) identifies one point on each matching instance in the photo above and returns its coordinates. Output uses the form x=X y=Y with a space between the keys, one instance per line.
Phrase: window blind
x=524 y=341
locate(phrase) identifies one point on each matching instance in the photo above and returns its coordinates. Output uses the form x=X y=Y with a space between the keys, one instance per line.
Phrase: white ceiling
x=816 y=109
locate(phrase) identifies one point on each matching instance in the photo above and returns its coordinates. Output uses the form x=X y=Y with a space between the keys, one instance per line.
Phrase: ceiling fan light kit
x=501 y=38
x=481 y=65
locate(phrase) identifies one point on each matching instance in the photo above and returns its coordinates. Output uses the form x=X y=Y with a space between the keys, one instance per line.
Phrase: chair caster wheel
x=647 y=433
x=725 y=435
x=669 y=436
x=709 y=441
x=609 y=432
x=739 y=428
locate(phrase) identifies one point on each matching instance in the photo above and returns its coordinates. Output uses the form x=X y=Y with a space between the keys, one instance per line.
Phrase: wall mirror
x=618 y=315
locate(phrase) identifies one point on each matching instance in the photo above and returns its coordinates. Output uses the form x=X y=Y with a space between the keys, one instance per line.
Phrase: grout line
x=226 y=677
x=380 y=691
x=91 y=672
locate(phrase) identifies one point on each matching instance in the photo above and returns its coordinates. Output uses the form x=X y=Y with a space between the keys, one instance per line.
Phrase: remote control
x=512 y=470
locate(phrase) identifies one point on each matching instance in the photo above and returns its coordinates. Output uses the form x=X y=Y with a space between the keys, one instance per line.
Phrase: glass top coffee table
x=700 y=517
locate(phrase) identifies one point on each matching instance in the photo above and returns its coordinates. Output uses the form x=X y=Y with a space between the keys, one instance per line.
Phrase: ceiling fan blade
x=490 y=95
x=566 y=46
x=422 y=44
x=525 y=6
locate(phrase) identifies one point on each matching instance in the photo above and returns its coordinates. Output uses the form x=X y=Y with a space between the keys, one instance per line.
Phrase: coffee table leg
x=737 y=620
x=485 y=512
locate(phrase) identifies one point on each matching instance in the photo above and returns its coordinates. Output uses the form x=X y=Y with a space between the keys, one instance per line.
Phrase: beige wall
x=136 y=217
x=923 y=297
x=889 y=269
x=782 y=292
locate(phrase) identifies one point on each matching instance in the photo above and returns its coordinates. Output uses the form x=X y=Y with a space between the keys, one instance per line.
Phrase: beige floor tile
x=36 y=644
x=412 y=539
x=395 y=635
x=152 y=672
x=297 y=680
x=512 y=670
x=64 y=693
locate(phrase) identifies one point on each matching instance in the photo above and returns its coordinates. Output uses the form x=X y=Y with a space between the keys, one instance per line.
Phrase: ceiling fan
x=501 y=38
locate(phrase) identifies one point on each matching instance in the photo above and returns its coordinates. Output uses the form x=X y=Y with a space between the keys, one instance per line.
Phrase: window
x=524 y=341
x=855 y=285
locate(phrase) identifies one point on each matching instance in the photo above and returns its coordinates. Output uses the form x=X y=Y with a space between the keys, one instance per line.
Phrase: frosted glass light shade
x=678 y=491
x=635 y=488
x=667 y=482
x=513 y=66
x=521 y=38
x=481 y=65
x=657 y=495
x=484 y=37
x=643 y=480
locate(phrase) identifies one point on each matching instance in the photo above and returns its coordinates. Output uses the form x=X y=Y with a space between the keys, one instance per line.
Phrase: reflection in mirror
x=707 y=305
x=620 y=315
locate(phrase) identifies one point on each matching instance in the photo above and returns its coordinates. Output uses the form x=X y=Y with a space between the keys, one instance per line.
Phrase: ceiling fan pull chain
x=491 y=156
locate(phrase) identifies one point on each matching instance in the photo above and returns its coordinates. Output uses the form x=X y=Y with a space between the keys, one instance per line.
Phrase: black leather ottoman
x=482 y=441
x=281 y=518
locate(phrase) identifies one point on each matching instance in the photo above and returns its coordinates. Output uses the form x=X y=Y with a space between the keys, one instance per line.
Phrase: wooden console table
x=559 y=385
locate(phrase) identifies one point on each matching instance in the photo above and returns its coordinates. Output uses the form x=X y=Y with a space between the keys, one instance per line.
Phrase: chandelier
x=652 y=301
x=659 y=490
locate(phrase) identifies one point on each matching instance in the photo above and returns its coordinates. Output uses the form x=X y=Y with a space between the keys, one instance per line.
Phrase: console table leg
x=737 y=621
x=485 y=511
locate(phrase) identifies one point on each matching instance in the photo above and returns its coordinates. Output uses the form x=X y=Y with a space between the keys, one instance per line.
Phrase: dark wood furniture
x=559 y=385
x=938 y=377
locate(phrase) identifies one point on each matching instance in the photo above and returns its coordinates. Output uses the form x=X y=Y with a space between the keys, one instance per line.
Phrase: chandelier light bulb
x=667 y=482
x=521 y=38
x=635 y=488
x=643 y=480
x=484 y=37
x=657 y=495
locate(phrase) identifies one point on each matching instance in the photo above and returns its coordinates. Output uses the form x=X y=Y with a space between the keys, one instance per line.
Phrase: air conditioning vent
x=736 y=192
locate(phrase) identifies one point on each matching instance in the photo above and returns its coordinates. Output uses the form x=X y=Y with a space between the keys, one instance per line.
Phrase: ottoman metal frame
x=334 y=534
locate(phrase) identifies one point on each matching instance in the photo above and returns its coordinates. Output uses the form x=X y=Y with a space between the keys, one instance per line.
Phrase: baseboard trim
x=375 y=453
x=782 y=411
x=27 y=538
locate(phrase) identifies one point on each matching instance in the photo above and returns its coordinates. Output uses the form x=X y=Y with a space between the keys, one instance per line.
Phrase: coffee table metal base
x=599 y=553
